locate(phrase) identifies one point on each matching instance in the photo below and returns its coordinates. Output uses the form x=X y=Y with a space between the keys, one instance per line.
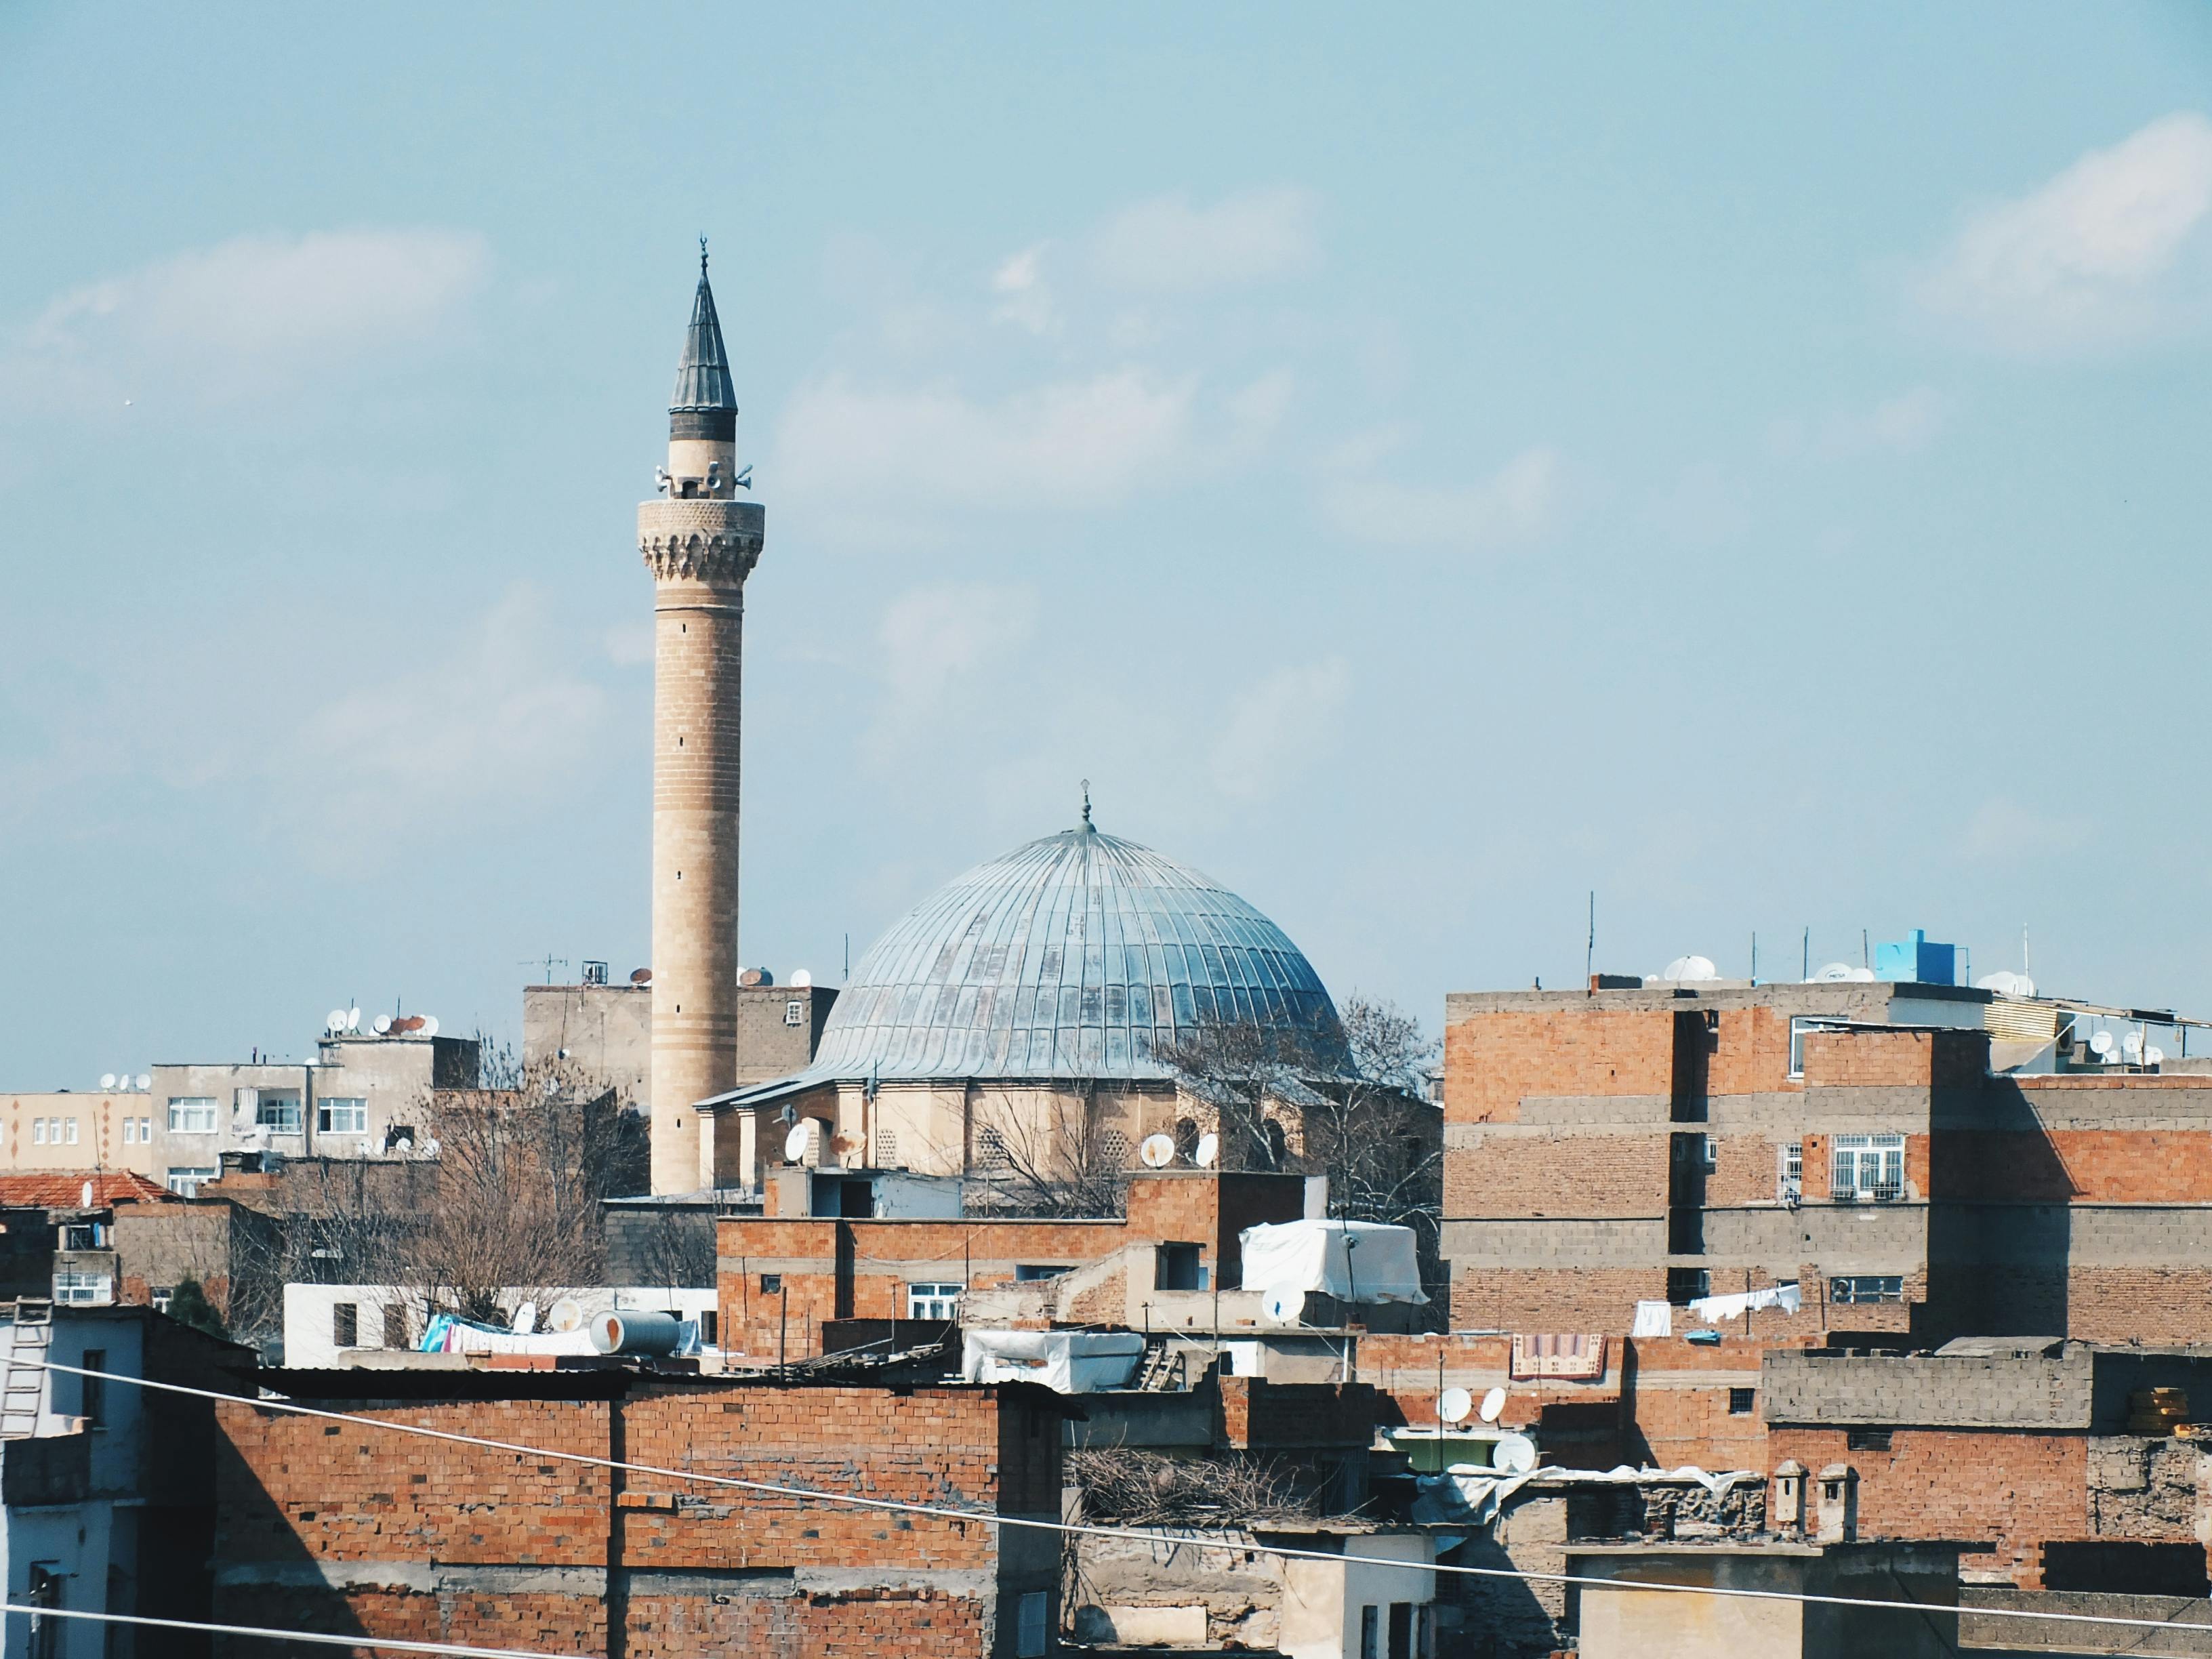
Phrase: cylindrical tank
x=637 y=1330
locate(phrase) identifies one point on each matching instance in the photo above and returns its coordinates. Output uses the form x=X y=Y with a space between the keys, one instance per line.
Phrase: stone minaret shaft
x=700 y=543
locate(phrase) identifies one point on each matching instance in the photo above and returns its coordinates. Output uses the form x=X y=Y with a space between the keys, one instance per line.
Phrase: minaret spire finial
x=702 y=256
x=1086 y=803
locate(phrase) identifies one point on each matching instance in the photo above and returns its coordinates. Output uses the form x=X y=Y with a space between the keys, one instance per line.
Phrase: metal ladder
x=23 y=1387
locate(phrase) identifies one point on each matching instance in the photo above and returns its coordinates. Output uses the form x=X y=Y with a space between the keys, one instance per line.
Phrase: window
x=161 y=1296
x=1741 y=1401
x=1863 y=1288
x=1868 y=1167
x=342 y=1115
x=1029 y=1273
x=346 y=1324
x=184 y=1181
x=45 y=1590
x=83 y=1290
x=710 y=1324
x=1179 y=1269
x=145 y=1132
x=1370 y=1633
x=887 y=1148
x=38 y=1132
x=991 y=1151
x=1866 y=1439
x=933 y=1301
x=1401 y=1630
x=1687 y=1284
x=395 y=1325
x=129 y=1130
x=1798 y=1028
x=278 y=1114
x=92 y=1391
x=1793 y=1170
x=1030 y=1633
x=71 y=1127
x=771 y=1283
x=84 y=1236
x=192 y=1114
x=794 y=1013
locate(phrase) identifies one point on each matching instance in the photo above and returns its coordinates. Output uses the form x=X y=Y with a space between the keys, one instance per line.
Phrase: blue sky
x=1420 y=466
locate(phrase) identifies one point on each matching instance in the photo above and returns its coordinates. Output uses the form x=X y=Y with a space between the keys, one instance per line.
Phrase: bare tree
x=1243 y=1074
x=675 y=1248
x=1059 y=1161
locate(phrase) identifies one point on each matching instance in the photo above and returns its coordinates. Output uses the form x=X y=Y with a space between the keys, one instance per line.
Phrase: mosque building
x=1028 y=1013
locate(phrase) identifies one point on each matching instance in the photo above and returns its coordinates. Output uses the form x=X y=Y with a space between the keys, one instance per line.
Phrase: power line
x=1144 y=1535
x=273 y=1635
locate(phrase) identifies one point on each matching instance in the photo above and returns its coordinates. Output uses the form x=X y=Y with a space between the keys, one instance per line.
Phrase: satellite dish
x=1156 y=1151
x=429 y=1026
x=106 y=1081
x=800 y=979
x=85 y=1196
x=1208 y=1150
x=2131 y=1045
x=382 y=1024
x=641 y=975
x=144 y=1082
x=1690 y=969
x=334 y=1021
x=2100 y=1044
x=1281 y=1306
x=1834 y=973
x=1515 y=1454
x=795 y=1144
x=526 y=1320
x=565 y=1315
x=2005 y=984
x=2154 y=1056
x=353 y=1019
x=430 y=1148
x=1453 y=1404
x=1493 y=1406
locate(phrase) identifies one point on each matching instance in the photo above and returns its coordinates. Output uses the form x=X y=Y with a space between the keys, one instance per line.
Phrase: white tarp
x=1067 y=1362
x=1351 y=1261
x=1719 y=1310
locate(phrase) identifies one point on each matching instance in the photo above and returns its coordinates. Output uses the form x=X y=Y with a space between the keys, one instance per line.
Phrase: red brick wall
x=1579 y=1175
x=2014 y=1489
x=1492 y=1060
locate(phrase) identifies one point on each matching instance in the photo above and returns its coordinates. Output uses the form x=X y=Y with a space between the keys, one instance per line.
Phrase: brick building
x=356 y=1530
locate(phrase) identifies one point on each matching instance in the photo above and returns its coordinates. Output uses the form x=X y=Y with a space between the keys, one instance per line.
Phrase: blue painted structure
x=1075 y=956
x=1918 y=961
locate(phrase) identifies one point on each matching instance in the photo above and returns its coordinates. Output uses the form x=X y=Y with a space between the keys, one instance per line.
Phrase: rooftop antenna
x=1755 y=957
x=1589 y=945
x=2023 y=953
x=1866 y=956
x=1806 y=972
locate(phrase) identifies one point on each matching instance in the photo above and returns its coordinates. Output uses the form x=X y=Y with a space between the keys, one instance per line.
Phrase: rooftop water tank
x=1918 y=961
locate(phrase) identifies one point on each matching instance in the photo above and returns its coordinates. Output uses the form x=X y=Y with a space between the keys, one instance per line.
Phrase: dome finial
x=1086 y=803
x=702 y=256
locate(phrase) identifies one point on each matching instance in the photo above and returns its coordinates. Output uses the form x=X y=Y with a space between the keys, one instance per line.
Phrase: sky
x=1422 y=467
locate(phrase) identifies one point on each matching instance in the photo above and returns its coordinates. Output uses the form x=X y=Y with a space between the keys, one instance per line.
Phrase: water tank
x=637 y=1330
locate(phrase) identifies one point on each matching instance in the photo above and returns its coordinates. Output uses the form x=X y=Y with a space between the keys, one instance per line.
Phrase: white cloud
x=498 y=722
x=932 y=637
x=2003 y=831
x=1073 y=443
x=2114 y=250
x=1024 y=297
x=1167 y=246
x=1519 y=503
x=246 y=318
x=1280 y=727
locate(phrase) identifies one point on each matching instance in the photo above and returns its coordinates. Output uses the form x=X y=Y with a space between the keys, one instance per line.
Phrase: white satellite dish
x=1689 y=968
x=1514 y=1454
x=1493 y=1406
x=2131 y=1045
x=380 y=1024
x=334 y=1021
x=1834 y=973
x=353 y=1019
x=106 y=1081
x=2005 y=984
x=1156 y=1151
x=799 y=980
x=144 y=1082
x=1209 y=1149
x=1282 y=1306
x=85 y=1196
x=795 y=1144
x=429 y=1026
x=2100 y=1044
x=565 y=1315
x=526 y=1319
x=1453 y=1404
x=2154 y=1056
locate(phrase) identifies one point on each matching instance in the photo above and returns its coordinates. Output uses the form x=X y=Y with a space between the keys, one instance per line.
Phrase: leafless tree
x=675 y=1248
x=1057 y=1161
x=1126 y=1486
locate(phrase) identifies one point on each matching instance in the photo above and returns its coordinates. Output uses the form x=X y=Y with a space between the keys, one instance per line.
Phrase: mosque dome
x=1077 y=956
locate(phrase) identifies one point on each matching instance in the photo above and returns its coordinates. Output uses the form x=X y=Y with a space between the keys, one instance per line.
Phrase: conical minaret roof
x=702 y=379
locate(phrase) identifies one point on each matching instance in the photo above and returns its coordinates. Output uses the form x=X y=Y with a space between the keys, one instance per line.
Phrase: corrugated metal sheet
x=2013 y=1021
x=1074 y=956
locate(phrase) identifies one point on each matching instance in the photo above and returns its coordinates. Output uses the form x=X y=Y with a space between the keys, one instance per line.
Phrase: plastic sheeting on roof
x=1351 y=1261
x=1067 y=1362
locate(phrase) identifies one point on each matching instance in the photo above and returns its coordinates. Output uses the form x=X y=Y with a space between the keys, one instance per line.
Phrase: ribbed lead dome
x=1074 y=956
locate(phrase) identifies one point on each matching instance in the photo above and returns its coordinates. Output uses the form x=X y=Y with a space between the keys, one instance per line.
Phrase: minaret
x=700 y=543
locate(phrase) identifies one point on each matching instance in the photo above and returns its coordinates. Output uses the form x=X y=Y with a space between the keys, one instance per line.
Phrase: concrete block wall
x=2008 y=1390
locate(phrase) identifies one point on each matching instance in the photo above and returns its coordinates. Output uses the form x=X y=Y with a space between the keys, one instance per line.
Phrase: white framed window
x=933 y=1301
x=794 y=1012
x=185 y=1182
x=1868 y=1167
x=342 y=1115
x=131 y=1132
x=1792 y=1178
x=38 y=1132
x=145 y=1132
x=1860 y=1289
x=192 y=1114
x=1798 y=1027
x=278 y=1114
x=161 y=1297
x=83 y=1290
x=69 y=1125
x=1030 y=1626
